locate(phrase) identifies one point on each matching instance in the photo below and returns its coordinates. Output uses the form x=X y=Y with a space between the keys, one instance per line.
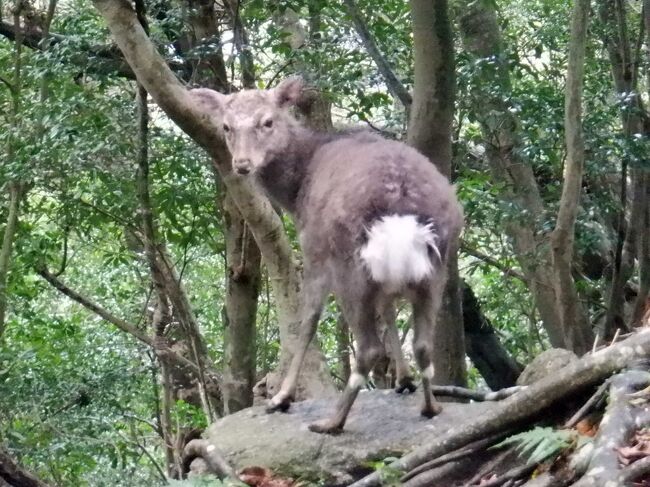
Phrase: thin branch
x=508 y=271
x=147 y=454
x=586 y=408
x=463 y=393
x=107 y=58
x=454 y=456
x=126 y=327
x=394 y=85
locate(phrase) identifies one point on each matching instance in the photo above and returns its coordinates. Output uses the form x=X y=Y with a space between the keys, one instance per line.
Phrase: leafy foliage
x=79 y=400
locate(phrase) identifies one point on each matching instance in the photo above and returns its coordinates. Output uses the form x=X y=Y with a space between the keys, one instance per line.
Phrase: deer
x=376 y=222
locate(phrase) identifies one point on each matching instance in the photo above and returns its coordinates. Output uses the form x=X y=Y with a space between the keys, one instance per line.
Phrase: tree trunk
x=395 y=86
x=577 y=330
x=15 y=195
x=430 y=132
x=483 y=347
x=15 y=187
x=625 y=76
x=260 y=216
x=242 y=289
x=482 y=38
x=243 y=269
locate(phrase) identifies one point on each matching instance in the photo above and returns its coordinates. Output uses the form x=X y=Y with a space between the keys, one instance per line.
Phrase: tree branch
x=118 y=322
x=577 y=330
x=394 y=85
x=507 y=271
x=101 y=59
x=12 y=474
x=200 y=123
x=616 y=428
x=213 y=457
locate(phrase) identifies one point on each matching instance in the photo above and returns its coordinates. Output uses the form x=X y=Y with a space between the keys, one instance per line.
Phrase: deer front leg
x=313 y=295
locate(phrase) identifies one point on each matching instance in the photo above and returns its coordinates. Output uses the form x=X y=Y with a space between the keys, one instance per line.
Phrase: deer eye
x=226 y=127
x=268 y=123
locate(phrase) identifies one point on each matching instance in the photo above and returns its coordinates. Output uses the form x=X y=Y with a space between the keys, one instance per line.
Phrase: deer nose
x=242 y=166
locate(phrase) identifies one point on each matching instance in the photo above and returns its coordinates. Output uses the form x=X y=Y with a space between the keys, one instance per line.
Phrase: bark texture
x=575 y=324
x=430 y=132
x=8 y=236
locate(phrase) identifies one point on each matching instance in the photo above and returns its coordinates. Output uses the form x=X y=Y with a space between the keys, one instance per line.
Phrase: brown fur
x=337 y=186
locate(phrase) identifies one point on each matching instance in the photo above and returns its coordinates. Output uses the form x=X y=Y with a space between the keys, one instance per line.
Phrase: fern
x=540 y=444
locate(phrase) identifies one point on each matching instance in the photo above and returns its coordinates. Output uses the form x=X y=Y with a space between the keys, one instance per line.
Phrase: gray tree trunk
x=242 y=290
x=8 y=236
x=625 y=74
x=430 y=132
x=260 y=216
x=577 y=329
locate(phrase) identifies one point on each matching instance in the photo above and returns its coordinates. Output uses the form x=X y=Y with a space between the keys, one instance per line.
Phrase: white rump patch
x=397 y=251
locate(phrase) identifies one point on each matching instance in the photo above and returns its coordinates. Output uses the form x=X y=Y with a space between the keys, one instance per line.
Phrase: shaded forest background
x=136 y=306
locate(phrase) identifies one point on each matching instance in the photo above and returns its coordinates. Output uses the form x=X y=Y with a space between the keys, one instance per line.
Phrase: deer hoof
x=405 y=384
x=326 y=426
x=431 y=411
x=279 y=402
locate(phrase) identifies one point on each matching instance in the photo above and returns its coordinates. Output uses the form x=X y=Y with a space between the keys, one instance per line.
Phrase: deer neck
x=284 y=176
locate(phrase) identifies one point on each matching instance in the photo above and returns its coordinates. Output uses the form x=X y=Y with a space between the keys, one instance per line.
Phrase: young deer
x=376 y=222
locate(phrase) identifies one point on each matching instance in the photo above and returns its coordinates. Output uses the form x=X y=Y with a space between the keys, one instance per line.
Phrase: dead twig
x=453 y=456
x=463 y=393
x=211 y=455
x=587 y=407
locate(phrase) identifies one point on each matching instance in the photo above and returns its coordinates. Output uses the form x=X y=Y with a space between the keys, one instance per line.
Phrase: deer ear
x=288 y=91
x=208 y=99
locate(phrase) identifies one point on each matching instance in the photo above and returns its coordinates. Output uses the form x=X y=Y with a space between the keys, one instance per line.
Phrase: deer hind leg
x=359 y=312
x=426 y=303
x=403 y=378
x=314 y=291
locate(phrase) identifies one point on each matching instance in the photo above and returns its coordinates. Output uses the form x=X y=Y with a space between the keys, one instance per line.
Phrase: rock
x=382 y=423
x=546 y=363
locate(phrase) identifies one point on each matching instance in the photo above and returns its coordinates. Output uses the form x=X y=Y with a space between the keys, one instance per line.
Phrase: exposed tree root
x=616 y=428
x=453 y=456
x=593 y=401
x=528 y=403
x=635 y=470
x=463 y=393
x=212 y=456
